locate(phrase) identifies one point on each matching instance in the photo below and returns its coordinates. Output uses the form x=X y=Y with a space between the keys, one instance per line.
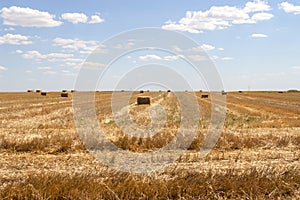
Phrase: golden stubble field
x=257 y=156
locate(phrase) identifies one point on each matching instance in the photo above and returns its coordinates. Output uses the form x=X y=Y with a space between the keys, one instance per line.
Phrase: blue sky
x=254 y=44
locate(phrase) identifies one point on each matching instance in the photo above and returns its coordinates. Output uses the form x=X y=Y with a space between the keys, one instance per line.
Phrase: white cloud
x=44 y=68
x=202 y=48
x=33 y=55
x=76 y=44
x=2 y=68
x=257 y=6
x=296 y=67
x=19 y=51
x=52 y=57
x=27 y=17
x=221 y=49
x=50 y=72
x=174 y=57
x=207 y=47
x=15 y=39
x=95 y=19
x=221 y=17
x=75 y=18
x=258 y=35
x=290 y=8
x=198 y=57
x=9 y=29
x=262 y=16
x=215 y=57
x=125 y=45
x=150 y=57
x=227 y=58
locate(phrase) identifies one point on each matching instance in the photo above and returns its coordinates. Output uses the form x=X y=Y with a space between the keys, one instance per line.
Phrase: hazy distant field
x=257 y=156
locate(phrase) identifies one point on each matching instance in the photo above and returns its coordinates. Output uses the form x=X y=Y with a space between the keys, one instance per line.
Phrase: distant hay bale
x=143 y=100
x=43 y=93
x=141 y=91
x=280 y=92
x=29 y=90
x=169 y=91
x=224 y=93
x=186 y=91
x=64 y=94
x=200 y=90
x=240 y=91
x=122 y=90
x=64 y=91
x=38 y=91
x=72 y=91
x=204 y=96
x=148 y=90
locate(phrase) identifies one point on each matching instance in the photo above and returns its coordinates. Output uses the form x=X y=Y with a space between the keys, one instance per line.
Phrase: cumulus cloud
x=257 y=6
x=75 y=18
x=207 y=47
x=15 y=39
x=227 y=58
x=44 y=68
x=19 y=51
x=262 y=17
x=221 y=17
x=258 y=35
x=174 y=57
x=27 y=17
x=9 y=29
x=290 y=8
x=150 y=57
x=2 y=68
x=95 y=19
x=76 y=44
x=52 y=57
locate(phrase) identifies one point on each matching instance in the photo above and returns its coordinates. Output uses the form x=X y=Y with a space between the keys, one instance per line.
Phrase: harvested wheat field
x=257 y=156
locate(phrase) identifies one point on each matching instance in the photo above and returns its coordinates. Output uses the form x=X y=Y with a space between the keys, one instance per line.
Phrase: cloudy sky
x=254 y=44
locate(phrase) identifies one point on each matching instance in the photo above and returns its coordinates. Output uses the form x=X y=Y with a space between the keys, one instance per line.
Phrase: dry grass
x=257 y=156
x=264 y=183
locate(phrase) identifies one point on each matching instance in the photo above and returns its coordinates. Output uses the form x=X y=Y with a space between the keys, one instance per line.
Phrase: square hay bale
x=141 y=91
x=143 y=100
x=29 y=90
x=204 y=96
x=64 y=91
x=72 y=91
x=64 y=94
x=38 y=91
x=43 y=93
x=169 y=91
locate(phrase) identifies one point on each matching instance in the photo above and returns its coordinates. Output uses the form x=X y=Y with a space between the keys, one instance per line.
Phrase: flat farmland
x=256 y=157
